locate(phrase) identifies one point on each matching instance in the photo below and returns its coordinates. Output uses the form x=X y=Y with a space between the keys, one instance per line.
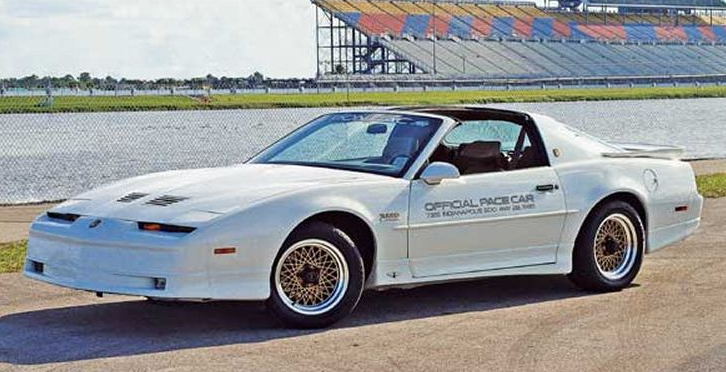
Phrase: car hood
x=198 y=195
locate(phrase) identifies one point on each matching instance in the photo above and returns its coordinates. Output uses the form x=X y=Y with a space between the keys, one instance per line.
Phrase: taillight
x=158 y=227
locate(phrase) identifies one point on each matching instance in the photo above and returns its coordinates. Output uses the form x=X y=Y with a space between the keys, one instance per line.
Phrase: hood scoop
x=132 y=197
x=166 y=200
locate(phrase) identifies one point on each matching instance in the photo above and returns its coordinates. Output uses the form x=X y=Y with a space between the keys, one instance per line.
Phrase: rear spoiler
x=635 y=150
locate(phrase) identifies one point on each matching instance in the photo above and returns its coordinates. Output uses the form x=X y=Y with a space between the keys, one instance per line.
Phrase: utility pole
x=347 y=84
x=433 y=17
x=317 y=41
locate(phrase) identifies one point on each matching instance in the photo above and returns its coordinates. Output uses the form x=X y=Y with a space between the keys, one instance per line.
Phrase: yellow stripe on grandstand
x=475 y=10
x=694 y=19
x=387 y=7
x=426 y=6
x=494 y=10
x=338 y=6
x=534 y=12
x=409 y=7
x=453 y=9
x=514 y=11
x=365 y=7
x=719 y=20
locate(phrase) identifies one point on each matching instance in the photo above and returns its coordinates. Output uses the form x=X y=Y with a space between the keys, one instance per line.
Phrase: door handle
x=548 y=187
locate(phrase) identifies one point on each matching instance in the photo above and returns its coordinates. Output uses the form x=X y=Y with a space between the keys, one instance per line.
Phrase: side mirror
x=439 y=171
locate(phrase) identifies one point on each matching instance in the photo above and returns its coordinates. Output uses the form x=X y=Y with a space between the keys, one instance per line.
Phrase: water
x=54 y=156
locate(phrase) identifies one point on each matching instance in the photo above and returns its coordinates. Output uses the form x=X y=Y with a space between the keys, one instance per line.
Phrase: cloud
x=161 y=38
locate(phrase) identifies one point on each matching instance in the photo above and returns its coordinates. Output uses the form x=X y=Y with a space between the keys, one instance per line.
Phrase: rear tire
x=609 y=248
x=317 y=278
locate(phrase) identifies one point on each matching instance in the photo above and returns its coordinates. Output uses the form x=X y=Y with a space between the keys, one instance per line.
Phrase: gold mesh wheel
x=615 y=246
x=311 y=277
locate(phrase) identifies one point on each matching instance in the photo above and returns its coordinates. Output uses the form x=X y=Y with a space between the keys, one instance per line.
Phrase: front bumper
x=117 y=258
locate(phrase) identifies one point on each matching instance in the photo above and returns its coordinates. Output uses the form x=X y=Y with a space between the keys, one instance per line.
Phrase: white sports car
x=361 y=200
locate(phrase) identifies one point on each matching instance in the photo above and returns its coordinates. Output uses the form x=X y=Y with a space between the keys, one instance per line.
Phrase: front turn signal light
x=158 y=227
x=227 y=250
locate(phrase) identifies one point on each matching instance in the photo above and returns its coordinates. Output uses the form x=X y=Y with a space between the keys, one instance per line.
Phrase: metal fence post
x=48 y=101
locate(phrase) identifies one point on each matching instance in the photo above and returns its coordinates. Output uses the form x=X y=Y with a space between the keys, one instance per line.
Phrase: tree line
x=85 y=81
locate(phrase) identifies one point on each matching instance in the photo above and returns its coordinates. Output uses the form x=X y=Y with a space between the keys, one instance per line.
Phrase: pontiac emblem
x=94 y=224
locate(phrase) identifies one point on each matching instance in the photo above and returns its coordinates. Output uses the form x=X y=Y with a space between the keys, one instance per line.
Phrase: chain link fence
x=52 y=156
x=47 y=157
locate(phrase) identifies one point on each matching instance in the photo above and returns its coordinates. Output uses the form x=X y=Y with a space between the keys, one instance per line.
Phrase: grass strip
x=340 y=99
x=712 y=185
x=12 y=256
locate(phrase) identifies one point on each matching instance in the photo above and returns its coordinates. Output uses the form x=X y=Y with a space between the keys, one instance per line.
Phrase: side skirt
x=397 y=274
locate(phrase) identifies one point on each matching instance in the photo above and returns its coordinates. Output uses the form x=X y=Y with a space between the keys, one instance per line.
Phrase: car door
x=488 y=219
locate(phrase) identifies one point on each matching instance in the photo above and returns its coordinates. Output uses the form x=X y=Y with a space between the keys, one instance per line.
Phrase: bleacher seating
x=672 y=3
x=502 y=41
x=420 y=19
x=528 y=59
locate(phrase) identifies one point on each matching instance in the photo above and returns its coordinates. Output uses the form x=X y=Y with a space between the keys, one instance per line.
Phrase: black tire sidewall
x=585 y=270
x=345 y=245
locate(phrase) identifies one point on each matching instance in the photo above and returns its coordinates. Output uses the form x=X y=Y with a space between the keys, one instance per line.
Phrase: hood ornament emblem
x=94 y=224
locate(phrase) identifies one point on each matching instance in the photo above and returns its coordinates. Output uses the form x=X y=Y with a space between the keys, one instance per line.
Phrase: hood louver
x=166 y=200
x=132 y=197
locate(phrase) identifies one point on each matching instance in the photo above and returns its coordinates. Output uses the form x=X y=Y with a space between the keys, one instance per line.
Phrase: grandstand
x=468 y=39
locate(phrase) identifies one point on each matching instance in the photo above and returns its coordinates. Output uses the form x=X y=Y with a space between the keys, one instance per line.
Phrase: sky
x=149 y=39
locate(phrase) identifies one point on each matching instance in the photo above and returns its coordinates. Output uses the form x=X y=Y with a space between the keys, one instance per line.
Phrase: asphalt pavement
x=673 y=318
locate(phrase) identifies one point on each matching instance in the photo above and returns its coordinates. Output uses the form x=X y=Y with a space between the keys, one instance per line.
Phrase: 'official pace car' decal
x=482 y=206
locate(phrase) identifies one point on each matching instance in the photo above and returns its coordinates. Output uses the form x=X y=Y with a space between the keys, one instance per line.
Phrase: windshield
x=379 y=143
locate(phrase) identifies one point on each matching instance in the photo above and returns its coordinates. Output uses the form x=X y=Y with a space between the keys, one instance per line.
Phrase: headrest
x=400 y=146
x=481 y=149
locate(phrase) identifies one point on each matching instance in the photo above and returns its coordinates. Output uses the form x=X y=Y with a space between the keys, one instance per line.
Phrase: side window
x=484 y=146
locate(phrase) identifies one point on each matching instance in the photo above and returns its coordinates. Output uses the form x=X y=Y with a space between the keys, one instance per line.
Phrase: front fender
x=258 y=231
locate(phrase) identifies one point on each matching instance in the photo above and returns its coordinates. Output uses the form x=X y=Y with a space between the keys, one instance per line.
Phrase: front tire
x=609 y=249
x=317 y=278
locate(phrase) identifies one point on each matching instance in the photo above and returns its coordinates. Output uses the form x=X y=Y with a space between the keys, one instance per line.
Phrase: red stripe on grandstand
x=442 y=25
x=663 y=33
x=615 y=32
x=606 y=32
x=481 y=27
x=603 y=32
x=707 y=33
x=523 y=26
x=561 y=29
x=378 y=24
x=677 y=32
x=592 y=31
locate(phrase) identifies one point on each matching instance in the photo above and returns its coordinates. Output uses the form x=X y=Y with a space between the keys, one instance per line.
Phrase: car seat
x=398 y=148
x=480 y=157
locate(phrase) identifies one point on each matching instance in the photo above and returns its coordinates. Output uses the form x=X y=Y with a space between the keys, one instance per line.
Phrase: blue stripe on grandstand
x=648 y=31
x=349 y=18
x=720 y=32
x=632 y=32
x=640 y=32
x=693 y=33
x=416 y=24
x=575 y=32
x=542 y=27
x=502 y=26
x=461 y=26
